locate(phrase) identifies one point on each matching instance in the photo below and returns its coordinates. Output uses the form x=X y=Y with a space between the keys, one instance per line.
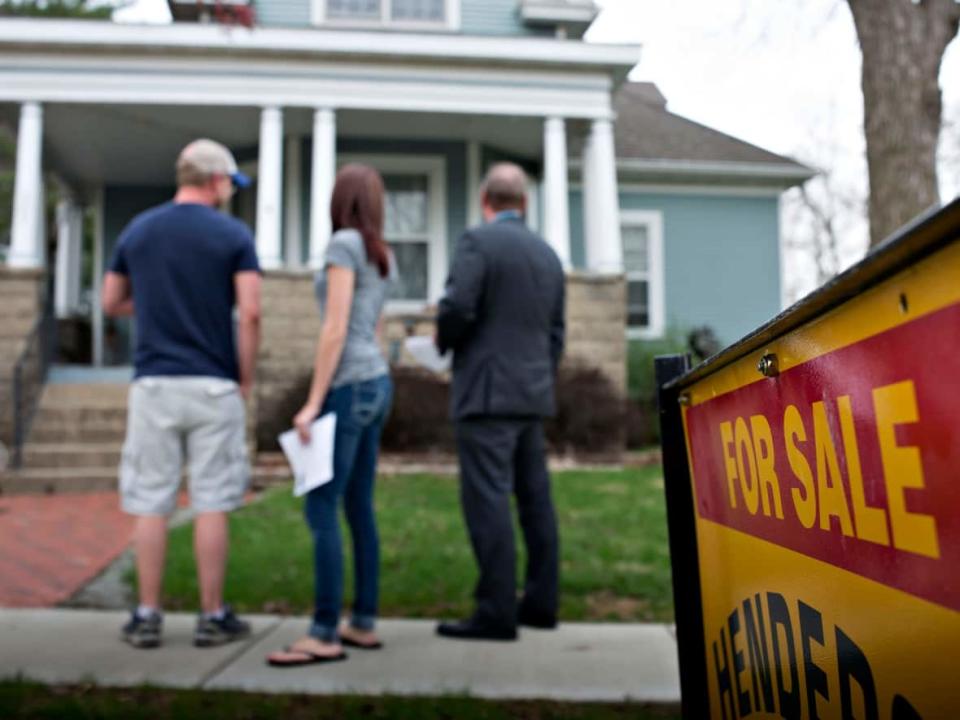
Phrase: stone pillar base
x=596 y=324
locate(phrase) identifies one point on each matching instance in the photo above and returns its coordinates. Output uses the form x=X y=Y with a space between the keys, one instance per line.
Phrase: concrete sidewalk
x=577 y=662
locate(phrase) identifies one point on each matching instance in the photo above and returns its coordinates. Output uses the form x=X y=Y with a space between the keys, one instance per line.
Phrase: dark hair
x=357 y=202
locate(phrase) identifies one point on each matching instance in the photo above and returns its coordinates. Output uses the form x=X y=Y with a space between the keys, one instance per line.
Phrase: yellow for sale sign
x=825 y=473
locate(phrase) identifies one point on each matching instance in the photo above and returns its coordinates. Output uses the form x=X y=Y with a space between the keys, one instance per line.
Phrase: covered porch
x=101 y=111
x=109 y=162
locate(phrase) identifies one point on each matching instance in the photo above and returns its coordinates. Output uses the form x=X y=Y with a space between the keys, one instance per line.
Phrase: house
x=661 y=221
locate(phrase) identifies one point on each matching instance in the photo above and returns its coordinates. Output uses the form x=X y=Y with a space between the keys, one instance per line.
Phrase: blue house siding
x=283 y=13
x=453 y=152
x=721 y=258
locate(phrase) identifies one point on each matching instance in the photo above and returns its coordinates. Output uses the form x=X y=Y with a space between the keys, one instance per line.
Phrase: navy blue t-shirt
x=181 y=259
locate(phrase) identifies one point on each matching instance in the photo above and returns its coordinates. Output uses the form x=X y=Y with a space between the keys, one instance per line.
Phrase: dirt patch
x=610 y=606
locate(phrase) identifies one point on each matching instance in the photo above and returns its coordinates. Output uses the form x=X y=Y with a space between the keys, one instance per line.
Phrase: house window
x=401 y=13
x=407 y=229
x=419 y=10
x=414 y=225
x=642 y=233
x=354 y=9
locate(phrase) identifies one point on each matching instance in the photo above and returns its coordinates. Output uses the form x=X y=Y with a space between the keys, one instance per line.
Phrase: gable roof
x=654 y=142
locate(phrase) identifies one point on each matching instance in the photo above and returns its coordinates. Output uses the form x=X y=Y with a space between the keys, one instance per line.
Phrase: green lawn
x=31 y=701
x=615 y=562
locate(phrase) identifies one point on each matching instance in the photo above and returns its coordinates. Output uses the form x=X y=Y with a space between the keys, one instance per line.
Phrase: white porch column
x=603 y=243
x=292 y=190
x=556 y=212
x=99 y=238
x=270 y=188
x=323 y=174
x=69 y=241
x=588 y=192
x=26 y=235
x=474 y=180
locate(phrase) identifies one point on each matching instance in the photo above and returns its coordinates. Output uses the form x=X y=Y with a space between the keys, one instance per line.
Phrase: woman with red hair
x=351 y=379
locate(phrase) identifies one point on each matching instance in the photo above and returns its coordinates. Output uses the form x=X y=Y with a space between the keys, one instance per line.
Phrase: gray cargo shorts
x=200 y=420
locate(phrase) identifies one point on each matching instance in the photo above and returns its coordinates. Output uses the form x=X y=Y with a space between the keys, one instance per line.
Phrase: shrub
x=419 y=420
x=277 y=417
x=643 y=423
x=590 y=414
x=592 y=418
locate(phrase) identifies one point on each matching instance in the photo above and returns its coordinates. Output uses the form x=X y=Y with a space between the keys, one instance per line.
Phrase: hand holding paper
x=425 y=352
x=312 y=463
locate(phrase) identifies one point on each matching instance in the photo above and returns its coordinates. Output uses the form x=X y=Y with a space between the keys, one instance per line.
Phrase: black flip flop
x=362 y=646
x=310 y=659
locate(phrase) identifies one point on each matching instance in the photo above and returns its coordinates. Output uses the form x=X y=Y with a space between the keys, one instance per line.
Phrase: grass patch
x=29 y=700
x=615 y=561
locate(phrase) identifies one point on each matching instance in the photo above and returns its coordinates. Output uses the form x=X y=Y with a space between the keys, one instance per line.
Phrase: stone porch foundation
x=596 y=318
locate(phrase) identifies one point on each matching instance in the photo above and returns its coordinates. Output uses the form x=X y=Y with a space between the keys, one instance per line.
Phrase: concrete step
x=100 y=395
x=76 y=456
x=57 y=416
x=90 y=432
x=56 y=480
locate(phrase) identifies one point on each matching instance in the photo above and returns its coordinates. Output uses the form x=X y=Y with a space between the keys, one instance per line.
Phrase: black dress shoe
x=539 y=621
x=473 y=630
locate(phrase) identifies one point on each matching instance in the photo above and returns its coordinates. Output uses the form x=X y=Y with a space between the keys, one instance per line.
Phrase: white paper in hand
x=425 y=352
x=312 y=464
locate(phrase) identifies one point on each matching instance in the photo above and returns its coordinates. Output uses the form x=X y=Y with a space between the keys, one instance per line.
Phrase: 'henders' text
x=817 y=492
x=774 y=658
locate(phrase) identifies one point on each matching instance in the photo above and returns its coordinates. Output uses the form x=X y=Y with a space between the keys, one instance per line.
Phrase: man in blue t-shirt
x=180 y=269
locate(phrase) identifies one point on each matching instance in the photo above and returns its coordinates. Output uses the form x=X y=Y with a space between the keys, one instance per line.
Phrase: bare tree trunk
x=902 y=42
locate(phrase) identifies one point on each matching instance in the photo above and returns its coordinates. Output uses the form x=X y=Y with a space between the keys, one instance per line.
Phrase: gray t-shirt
x=362 y=358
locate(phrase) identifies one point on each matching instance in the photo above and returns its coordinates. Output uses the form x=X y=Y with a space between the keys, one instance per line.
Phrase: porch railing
x=29 y=376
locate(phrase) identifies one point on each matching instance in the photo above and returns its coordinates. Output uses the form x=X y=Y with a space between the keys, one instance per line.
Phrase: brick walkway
x=52 y=545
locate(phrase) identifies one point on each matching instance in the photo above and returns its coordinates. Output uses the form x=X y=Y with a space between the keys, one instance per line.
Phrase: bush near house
x=590 y=422
x=644 y=424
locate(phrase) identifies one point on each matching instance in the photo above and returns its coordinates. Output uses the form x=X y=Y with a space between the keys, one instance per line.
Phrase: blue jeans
x=361 y=410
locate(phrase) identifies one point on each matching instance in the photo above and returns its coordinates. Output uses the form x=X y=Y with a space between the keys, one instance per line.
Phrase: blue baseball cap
x=213 y=158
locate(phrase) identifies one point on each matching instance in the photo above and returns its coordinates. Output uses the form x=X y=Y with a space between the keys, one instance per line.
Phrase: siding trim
x=656 y=276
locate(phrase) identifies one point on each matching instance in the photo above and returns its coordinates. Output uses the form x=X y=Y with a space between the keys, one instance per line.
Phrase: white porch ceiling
x=138 y=144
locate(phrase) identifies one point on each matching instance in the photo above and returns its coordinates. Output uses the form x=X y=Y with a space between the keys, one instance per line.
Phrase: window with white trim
x=406 y=226
x=413 y=225
x=642 y=233
x=404 y=13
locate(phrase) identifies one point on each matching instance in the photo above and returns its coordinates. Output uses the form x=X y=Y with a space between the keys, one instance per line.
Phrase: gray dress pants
x=500 y=456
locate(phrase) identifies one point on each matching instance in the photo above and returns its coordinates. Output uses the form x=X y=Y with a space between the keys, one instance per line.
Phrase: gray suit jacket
x=503 y=316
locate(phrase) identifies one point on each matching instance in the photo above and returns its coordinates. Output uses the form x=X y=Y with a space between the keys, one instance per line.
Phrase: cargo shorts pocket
x=127 y=470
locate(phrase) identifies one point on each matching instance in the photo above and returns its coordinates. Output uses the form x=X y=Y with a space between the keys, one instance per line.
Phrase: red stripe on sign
x=852 y=458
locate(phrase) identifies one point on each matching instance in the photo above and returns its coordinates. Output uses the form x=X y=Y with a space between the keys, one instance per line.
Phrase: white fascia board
x=780 y=175
x=182 y=79
x=787 y=172
x=57 y=35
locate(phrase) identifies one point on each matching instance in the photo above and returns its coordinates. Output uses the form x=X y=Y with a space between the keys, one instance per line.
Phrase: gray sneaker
x=143 y=632
x=212 y=631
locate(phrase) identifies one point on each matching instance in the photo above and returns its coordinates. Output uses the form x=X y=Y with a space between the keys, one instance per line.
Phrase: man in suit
x=503 y=318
